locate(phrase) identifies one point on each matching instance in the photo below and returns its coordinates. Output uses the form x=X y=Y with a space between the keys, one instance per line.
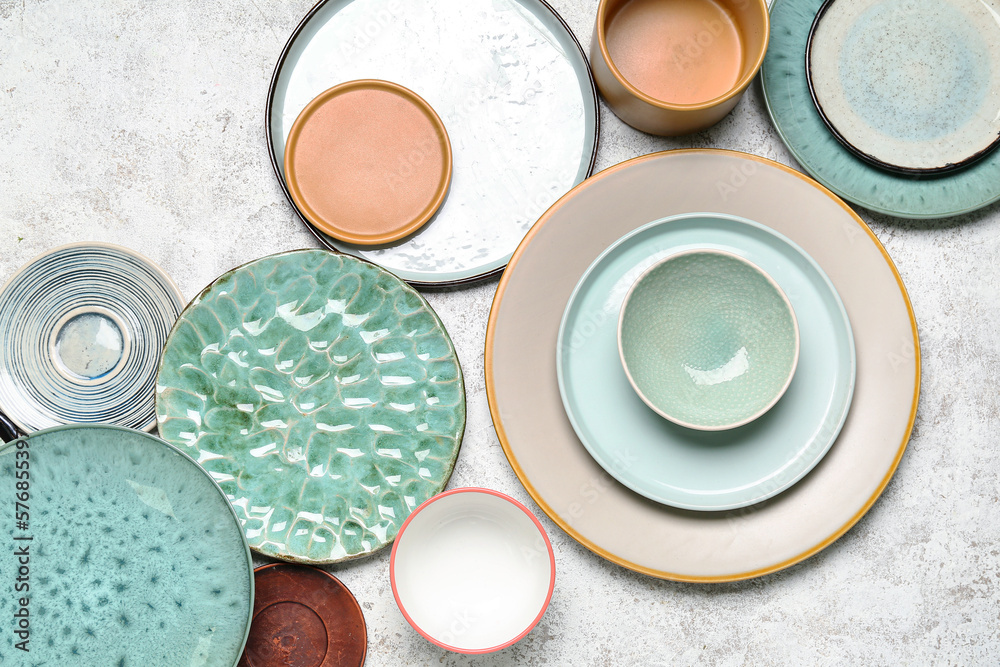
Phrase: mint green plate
x=801 y=127
x=708 y=340
x=681 y=467
x=322 y=393
x=120 y=550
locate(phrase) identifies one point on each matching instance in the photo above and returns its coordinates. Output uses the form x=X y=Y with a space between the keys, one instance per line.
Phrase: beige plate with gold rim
x=576 y=492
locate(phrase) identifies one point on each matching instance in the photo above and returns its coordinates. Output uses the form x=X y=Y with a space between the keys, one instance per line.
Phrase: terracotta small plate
x=304 y=617
x=368 y=162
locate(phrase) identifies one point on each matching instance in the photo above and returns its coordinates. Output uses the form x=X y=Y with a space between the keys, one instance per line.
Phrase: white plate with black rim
x=515 y=92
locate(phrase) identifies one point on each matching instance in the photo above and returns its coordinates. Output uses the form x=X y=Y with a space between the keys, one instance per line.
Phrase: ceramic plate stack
x=491 y=70
x=624 y=481
x=910 y=133
x=684 y=467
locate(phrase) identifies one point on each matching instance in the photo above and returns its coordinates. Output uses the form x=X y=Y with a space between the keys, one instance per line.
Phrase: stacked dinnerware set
x=706 y=330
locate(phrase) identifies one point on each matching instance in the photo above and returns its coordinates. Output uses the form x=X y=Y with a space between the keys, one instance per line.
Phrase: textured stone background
x=141 y=123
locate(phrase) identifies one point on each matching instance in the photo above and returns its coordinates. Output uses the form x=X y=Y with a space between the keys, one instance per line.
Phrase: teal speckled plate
x=322 y=393
x=129 y=554
x=681 y=467
x=801 y=127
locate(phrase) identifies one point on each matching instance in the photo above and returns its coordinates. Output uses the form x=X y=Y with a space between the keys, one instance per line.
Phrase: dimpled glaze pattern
x=136 y=557
x=81 y=329
x=322 y=393
x=822 y=156
x=708 y=340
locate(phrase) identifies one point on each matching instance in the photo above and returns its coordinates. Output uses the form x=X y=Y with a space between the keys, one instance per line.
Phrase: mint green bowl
x=708 y=340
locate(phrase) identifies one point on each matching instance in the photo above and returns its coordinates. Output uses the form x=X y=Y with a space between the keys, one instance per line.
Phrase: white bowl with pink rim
x=472 y=570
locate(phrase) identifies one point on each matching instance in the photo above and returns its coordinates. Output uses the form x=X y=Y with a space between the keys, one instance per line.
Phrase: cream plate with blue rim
x=682 y=467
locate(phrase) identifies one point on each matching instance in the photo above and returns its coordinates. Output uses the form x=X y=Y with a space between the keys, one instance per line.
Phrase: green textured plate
x=801 y=127
x=322 y=393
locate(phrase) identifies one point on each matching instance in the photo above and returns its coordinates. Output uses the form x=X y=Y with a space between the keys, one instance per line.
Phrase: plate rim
x=842 y=312
x=168 y=282
x=460 y=437
x=843 y=193
x=195 y=464
x=421 y=284
x=867 y=157
x=664 y=574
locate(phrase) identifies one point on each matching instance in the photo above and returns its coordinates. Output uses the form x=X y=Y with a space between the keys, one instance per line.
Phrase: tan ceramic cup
x=655 y=116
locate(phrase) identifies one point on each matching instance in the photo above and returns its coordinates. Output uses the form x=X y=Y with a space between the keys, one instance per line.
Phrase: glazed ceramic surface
x=568 y=483
x=708 y=340
x=673 y=67
x=134 y=555
x=322 y=393
x=910 y=85
x=491 y=69
x=472 y=571
x=368 y=162
x=304 y=616
x=818 y=151
x=81 y=329
x=676 y=465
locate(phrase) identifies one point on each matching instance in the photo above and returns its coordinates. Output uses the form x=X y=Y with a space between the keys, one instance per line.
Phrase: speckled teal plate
x=322 y=393
x=682 y=467
x=801 y=127
x=131 y=554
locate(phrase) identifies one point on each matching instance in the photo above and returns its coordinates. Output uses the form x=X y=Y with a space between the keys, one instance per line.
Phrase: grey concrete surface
x=141 y=123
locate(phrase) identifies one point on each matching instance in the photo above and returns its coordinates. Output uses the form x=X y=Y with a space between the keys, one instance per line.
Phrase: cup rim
x=737 y=89
x=658 y=410
x=548 y=546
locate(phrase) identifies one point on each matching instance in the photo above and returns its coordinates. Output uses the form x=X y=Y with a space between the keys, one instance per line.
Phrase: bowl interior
x=684 y=52
x=472 y=571
x=708 y=339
